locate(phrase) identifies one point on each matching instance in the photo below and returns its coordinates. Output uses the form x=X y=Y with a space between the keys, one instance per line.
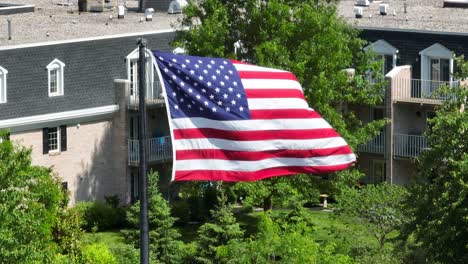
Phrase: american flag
x=233 y=121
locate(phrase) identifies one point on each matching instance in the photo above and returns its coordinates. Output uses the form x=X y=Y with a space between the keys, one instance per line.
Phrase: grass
x=108 y=238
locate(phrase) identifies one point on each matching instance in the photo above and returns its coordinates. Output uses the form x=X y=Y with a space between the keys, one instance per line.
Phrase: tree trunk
x=267 y=203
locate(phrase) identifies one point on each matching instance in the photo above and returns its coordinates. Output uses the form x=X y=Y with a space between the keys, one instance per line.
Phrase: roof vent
x=175 y=7
x=363 y=2
x=383 y=8
x=455 y=3
x=358 y=11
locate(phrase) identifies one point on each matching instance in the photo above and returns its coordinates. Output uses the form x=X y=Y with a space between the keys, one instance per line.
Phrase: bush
x=101 y=215
x=98 y=254
x=125 y=254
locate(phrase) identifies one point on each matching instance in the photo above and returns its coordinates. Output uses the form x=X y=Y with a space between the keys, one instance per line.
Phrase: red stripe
x=255 y=134
x=219 y=175
x=258 y=155
x=240 y=62
x=284 y=114
x=266 y=75
x=274 y=93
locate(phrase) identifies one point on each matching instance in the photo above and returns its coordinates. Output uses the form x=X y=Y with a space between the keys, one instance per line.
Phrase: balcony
x=159 y=150
x=153 y=96
x=409 y=146
x=376 y=145
x=420 y=91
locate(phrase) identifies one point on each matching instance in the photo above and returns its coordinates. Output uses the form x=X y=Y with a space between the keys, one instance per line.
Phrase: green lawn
x=108 y=238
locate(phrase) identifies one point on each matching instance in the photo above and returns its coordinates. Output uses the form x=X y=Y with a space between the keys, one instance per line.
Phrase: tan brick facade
x=94 y=164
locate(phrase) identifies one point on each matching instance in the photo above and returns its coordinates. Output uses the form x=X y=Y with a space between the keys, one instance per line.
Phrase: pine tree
x=219 y=232
x=165 y=246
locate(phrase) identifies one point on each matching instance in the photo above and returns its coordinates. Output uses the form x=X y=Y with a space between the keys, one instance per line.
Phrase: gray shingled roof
x=427 y=15
x=53 y=22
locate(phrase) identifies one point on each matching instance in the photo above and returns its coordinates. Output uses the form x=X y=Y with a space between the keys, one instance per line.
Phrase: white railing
x=408 y=145
x=153 y=96
x=417 y=90
x=158 y=149
x=376 y=145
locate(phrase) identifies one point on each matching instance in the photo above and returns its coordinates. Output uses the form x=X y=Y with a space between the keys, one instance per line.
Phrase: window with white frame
x=55 y=71
x=132 y=73
x=436 y=68
x=3 y=85
x=386 y=52
x=54 y=139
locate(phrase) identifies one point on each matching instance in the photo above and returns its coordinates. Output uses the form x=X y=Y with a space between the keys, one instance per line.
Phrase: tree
x=30 y=197
x=305 y=37
x=163 y=237
x=438 y=204
x=379 y=207
x=219 y=232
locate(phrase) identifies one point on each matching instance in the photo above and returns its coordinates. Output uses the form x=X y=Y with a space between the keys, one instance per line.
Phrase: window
x=386 y=52
x=54 y=139
x=376 y=172
x=3 y=85
x=55 y=71
x=132 y=73
x=436 y=68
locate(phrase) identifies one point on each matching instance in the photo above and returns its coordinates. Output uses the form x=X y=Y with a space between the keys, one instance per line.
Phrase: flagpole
x=143 y=183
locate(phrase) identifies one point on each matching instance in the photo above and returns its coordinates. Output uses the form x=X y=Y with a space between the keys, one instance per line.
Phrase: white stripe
x=250 y=125
x=270 y=84
x=231 y=165
x=247 y=67
x=258 y=145
x=277 y=103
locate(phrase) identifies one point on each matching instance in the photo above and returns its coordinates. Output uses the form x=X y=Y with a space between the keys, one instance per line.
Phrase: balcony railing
x=409 y=146
x=421 y=90
x=153 y=96
x=159 y=149
x=376 y=145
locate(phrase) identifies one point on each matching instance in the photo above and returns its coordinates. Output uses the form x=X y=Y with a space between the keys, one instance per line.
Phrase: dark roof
x=424 y=15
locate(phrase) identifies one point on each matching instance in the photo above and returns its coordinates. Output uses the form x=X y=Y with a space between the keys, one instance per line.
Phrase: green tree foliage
x=379 y=207
x=164 y=244
x=305 y=37
x=30 y=198
x=219 y=232
x=280 y=244
x=438 y=203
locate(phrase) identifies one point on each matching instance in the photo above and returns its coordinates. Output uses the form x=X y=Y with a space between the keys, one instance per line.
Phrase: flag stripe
x=266 y=75
x=235 y=176
x=278 y=93
x=240 y=66
x=258 y=145
x=254 y=135
x=270 y=84
x=277 y=103
x=285 y=114
x=249 y=125
x=258 y=155
x=243 y=165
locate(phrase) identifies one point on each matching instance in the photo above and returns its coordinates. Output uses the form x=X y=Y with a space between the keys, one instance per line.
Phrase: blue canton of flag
x=202 y=87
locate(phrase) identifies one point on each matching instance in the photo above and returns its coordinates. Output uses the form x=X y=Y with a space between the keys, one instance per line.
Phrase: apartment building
x=68 y=90
x=417 y=39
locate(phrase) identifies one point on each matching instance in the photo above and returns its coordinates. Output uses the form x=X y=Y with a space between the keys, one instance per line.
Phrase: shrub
x=125 y=254
x=98 y=254
x=101 y=215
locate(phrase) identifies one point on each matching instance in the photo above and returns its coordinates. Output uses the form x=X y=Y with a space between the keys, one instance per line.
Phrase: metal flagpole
x=143 y=183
